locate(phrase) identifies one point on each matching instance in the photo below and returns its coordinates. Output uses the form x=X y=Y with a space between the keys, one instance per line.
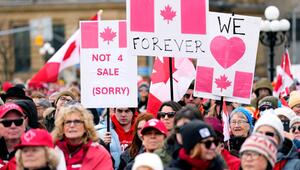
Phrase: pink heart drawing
x=227 y=52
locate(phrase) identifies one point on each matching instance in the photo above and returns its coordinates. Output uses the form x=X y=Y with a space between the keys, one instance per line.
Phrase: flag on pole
x=284 y=76
x=225 y=122
x=66 y=56
x=183 y=73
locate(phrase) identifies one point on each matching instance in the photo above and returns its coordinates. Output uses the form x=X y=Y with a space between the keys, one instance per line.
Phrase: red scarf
x=197 y=164
x=125 y=138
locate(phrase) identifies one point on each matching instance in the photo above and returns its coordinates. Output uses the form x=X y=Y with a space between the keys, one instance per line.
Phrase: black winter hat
x=194 y=132
x=15 y=92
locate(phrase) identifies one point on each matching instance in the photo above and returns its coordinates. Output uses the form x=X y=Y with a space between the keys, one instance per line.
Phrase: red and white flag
x=284 y=76
x=66 y=56
x=225 y=122
x=183 y=73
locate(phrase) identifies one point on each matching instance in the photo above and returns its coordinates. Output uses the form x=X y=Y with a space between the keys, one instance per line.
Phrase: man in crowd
x=12 y=124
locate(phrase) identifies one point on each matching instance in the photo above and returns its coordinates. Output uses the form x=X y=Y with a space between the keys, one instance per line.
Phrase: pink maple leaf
x=107 y=35
x=222 y=82
x=167 y=13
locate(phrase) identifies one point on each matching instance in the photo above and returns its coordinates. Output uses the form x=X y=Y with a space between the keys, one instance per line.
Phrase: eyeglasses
x=263 y=108
x=163 y=114
x=208 y=143
x=8 y=123
x=238 y=122
x=294 y=128
x=250 y=154
x=189 y=95
x=74 y=122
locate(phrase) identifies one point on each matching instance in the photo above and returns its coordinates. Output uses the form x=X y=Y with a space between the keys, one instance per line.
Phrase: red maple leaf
x=167 y=13
x=222 y=82
x=162 y=70
x=107 y=35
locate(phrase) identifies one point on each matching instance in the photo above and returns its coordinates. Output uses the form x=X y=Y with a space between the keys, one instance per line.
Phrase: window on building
x=58 y=36
x=22 y=53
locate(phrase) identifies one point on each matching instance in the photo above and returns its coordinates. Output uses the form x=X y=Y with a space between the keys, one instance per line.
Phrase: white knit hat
x=269 y=118
x=150 y=160
x=261 y=144
x=285 y=111
x=295 y=119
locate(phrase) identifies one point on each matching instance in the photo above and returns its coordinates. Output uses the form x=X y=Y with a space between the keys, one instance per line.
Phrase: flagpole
x=221 y=107
x=171 y=78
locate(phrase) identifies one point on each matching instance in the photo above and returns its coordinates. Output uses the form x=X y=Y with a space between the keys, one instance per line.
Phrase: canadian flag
x=225 y=122
x=284 y=76
x=66 y=56
x=183 y=73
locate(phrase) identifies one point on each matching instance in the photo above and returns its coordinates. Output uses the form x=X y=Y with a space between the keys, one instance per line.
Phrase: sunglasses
x=163 y=114
x=294 y=128
x=271 y=134
x=8 y=123
x=189 y=95
x=208 y=143
x=263 y=108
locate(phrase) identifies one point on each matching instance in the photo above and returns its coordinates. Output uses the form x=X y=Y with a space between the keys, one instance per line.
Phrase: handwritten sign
x=167 y=28
x=108 y=73
x=228 y=67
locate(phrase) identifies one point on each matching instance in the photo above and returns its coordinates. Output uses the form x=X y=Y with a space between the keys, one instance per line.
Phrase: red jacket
x=89 y=156
x=232 y=162
x=11 y=165
x=125 y=138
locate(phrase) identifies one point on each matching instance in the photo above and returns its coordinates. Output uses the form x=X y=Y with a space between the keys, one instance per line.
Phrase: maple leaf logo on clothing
x=168 y=14
x=107 y=35
x=222 y=82
x=162 y=69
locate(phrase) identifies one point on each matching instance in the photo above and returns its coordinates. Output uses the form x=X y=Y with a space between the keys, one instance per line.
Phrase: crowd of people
x=45 y=127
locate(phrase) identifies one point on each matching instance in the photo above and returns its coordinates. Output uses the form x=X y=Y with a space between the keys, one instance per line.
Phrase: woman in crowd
x=153 y=133
x=295 y=130
x=241 y=127
x=199 y=148
x=270 y=125
x=167 y=112
x=136 y=146
x=174 y=142
x=75 y=135
x=258 y=152
x=36 y=152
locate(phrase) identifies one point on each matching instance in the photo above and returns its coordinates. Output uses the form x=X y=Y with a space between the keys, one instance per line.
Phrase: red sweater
x=232 y=162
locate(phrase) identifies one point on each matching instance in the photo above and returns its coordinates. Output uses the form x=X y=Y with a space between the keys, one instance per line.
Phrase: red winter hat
x=36 y=137
x=155 y=124
x=9 y=107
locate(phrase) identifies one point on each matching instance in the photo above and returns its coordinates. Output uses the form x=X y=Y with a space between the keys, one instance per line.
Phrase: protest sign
x=167 y=28
x=108 y=74
x=227 y=69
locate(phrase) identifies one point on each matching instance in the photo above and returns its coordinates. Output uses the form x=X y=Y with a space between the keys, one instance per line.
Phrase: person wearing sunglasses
x=199 y=148
x=270 y=125
x=13 y=124
x=173 y=143
x=167 y=112
x=295 y=130
x=74 y=134
x=258 y=152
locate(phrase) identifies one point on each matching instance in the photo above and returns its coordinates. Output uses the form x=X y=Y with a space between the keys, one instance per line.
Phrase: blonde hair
x=85 y=116
x=51 y=155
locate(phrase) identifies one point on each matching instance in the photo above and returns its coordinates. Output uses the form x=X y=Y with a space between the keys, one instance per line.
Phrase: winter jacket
x=232 y=162
x=114 y=146
x=216 y=164
x=49 y=118
x=297 y=143
x=125 y=138
x=88 y=156
x=126 y=160
x=289 y=155
x=5 y=156
x=170 y=150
